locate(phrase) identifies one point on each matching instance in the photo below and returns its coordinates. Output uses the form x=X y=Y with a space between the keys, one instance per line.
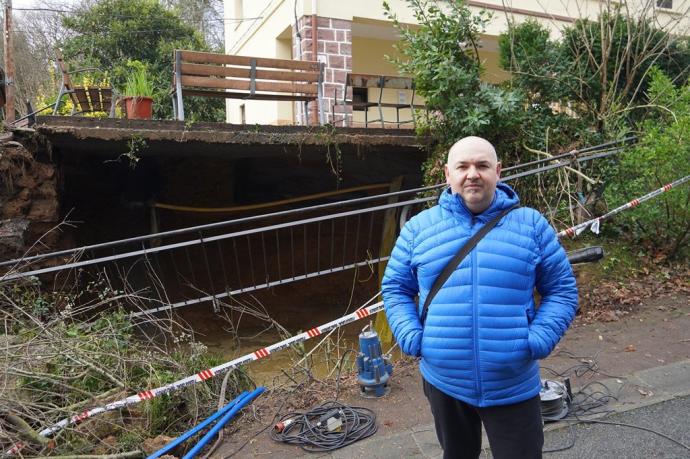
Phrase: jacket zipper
x=475 y=316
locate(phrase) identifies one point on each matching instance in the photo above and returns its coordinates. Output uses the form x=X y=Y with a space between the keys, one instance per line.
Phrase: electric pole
x=9 y=64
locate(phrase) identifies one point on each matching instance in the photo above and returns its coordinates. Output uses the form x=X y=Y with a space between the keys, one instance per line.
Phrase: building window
x=668 y=4
x=360 y=95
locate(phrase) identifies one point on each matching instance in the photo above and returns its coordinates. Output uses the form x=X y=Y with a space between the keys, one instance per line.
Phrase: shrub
x=660 y=157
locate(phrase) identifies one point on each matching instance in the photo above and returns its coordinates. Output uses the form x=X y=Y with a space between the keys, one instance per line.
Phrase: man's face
x=472 y=172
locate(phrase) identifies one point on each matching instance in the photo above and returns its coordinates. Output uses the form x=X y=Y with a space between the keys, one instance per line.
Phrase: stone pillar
x=335 y=50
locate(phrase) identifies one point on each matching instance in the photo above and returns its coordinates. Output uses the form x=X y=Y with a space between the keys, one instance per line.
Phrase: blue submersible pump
x=374 y=369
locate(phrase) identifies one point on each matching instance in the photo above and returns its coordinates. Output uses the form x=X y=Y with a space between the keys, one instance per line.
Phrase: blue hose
x=200 y=426
x=224 y=420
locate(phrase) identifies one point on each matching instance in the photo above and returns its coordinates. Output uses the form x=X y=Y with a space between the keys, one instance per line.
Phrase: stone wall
x=28 y=200
x=334 y=48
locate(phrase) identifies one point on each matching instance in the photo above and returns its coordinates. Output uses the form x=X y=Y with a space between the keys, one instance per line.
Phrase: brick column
x=335 y=50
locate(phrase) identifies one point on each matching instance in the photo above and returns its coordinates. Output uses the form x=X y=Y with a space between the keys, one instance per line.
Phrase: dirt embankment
x=28 y=196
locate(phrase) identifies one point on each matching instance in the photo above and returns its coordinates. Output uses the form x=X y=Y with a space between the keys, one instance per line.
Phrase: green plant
x=142 y=30
x=598 y=68
x=660 y=157
x=442 y=55
x=138 y=83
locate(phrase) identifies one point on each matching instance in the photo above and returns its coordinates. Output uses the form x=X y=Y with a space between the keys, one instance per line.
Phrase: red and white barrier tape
x=594 y=223
x=361 y=313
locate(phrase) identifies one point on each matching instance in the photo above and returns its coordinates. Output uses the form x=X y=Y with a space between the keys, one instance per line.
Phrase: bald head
x=470 y=145
x=472 y=171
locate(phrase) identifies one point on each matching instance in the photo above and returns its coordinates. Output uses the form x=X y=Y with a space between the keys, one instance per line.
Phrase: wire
x=634 y=426
x=569 y=445
x=122 y=16
x=308 y=429
x=590 y=399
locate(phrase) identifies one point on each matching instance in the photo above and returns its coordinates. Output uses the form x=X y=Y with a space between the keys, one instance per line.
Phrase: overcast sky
x=39 y=3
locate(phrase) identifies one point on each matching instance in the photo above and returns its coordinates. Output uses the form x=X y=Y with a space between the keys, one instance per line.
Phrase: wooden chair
x=241 y=77
x=84 y=99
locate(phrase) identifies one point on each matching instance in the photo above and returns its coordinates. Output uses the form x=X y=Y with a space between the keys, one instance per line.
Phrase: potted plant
x=138 y=94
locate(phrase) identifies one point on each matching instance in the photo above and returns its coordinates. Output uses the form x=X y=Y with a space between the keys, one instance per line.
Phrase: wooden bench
x=380 y=82
x=241 y=77
x=84 y=99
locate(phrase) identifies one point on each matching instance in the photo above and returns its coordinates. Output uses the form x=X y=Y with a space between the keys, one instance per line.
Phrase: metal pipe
x=315 y=55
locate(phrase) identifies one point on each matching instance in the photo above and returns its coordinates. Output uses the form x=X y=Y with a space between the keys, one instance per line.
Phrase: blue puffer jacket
x=483 y=333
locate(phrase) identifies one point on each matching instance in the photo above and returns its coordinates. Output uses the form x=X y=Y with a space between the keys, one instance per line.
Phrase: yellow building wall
x=266 y=35
x=269 y=36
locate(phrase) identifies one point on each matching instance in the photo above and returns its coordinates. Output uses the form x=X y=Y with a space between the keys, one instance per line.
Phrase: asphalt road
x=608 y=441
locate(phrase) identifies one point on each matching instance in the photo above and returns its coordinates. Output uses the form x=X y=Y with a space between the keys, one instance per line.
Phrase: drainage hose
x=198 y=427
x=224 y=420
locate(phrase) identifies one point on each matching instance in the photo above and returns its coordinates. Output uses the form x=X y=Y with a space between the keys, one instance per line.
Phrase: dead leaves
x=608 y=299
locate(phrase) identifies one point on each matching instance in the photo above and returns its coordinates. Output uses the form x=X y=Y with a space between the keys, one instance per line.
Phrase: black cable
x=633 y=426
x=570 y=444
x=591 y=399
x=310 y=429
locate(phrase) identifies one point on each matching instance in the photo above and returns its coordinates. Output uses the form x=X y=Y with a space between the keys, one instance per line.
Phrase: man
x=482 y=334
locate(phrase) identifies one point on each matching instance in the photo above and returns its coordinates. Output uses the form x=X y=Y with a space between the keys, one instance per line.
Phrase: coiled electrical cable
x=311 y=431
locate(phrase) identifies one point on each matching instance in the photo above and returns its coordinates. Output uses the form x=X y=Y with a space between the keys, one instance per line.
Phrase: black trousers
x=514 y=431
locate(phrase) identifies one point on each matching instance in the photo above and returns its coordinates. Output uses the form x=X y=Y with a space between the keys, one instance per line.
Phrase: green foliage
x=660 y=157
x=443 y=56
x=598 y=69
x=138 y=83
x=109 y=34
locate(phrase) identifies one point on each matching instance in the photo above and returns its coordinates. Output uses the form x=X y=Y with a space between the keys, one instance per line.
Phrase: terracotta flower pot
x=138 y=108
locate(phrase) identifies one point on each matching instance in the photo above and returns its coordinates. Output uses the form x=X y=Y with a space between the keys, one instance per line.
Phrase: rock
x=43 y=171
x=46 y=190
x=26 y=180
x=15 y=209
x=43 y=210
x=151 y=445
x=12 y=238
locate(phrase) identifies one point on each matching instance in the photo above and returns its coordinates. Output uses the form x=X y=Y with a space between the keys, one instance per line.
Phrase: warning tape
x=361 y=313
x=595 y=222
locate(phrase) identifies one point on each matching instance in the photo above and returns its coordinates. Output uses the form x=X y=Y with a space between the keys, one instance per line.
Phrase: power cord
x=327 y=427
x=591 y=399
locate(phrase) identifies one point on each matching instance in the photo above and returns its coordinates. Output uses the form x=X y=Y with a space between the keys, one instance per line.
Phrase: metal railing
x=210 y=262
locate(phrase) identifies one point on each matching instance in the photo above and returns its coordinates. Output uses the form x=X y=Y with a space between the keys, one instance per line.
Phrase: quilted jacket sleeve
x=399 y=288
x=555 y=283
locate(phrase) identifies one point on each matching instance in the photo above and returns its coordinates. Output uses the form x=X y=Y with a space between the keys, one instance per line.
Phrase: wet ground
x=657 y=334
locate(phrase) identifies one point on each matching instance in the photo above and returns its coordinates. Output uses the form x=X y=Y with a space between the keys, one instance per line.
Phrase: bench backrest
x=222 y=75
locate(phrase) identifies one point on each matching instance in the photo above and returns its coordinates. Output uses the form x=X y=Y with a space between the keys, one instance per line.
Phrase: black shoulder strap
x=455 y=261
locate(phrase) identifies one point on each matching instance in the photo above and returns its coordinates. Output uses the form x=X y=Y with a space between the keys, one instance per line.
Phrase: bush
x=442 y=55
x=660 y=157
x=64 y=354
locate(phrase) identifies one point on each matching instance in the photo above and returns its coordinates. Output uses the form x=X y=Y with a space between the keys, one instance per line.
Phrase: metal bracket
x=252 y=77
